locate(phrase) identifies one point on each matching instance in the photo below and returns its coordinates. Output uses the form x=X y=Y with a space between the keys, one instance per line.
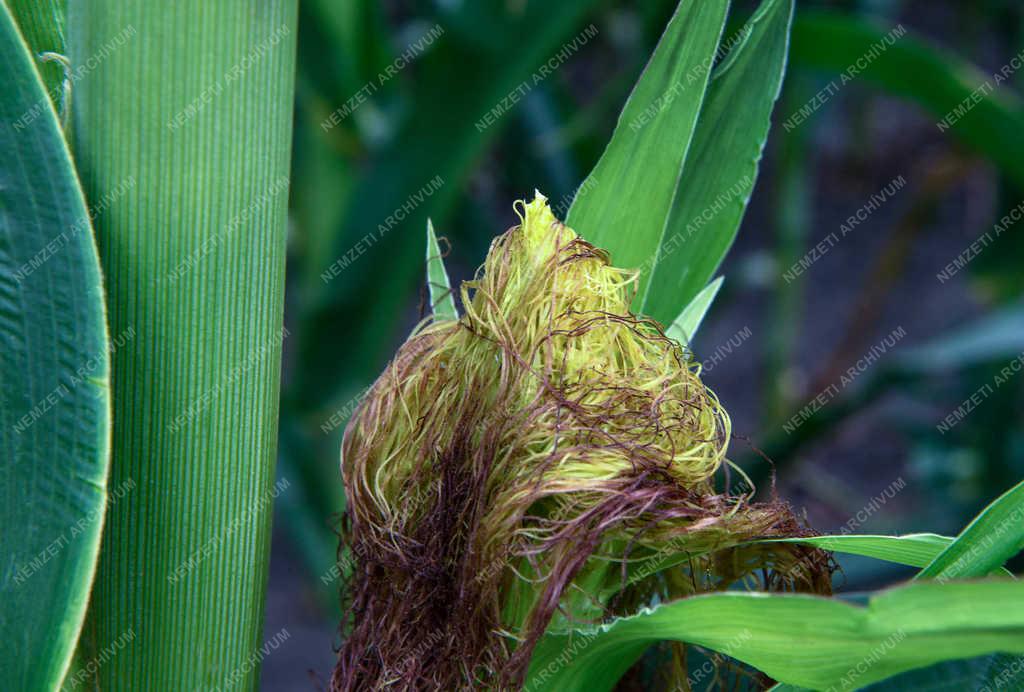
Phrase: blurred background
x=856 y=318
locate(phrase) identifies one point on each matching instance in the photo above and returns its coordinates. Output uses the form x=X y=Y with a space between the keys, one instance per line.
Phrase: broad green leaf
x=799 y=639
x=721 y=167
x=630 y=191
x=685 y=326
x=54 y=384
x=184 y=131
x=442 y=301
x=908 y=66
x=994 y=536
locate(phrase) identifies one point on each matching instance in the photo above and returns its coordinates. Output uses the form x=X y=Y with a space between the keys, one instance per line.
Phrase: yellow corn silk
x=538 y=461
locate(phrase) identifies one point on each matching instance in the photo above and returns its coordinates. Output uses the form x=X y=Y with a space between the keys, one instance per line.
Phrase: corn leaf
x=184 y=130
x=54 y=384
x=722 y=165
x=442 y=300
x=983 y=674
x=915 y=549
x=799 y=639
x=630 y=191
x=993 y=537
x=685 y=326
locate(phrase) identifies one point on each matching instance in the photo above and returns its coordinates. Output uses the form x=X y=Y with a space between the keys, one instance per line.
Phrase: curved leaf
x=914 y=550
x=798 y=639
x=993 y=537
x=54 y=379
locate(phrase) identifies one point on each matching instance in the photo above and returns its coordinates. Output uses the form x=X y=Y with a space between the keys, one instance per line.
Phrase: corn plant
x=459 y=531
x=539 y=491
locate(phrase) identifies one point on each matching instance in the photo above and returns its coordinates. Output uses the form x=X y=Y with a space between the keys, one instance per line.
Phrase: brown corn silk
x=538 y=463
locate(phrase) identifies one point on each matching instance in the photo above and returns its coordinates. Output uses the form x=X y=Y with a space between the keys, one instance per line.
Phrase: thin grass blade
x=442 y=300
x=684 y=327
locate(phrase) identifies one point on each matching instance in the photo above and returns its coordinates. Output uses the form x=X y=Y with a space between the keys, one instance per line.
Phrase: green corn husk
x=511 y=470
